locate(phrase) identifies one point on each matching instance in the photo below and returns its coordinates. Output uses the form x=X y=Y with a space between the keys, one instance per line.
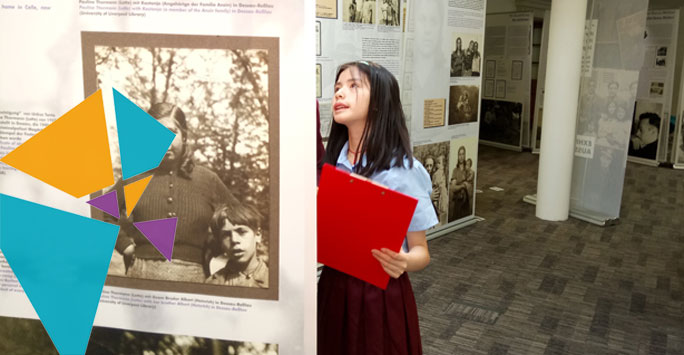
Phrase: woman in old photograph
x=181 y=189
x=457 y=59
x=369 y=137
x=460 y=188
x=476 y=61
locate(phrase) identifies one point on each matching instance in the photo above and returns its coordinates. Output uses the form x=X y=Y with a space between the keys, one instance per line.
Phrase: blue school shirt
x=414 y=182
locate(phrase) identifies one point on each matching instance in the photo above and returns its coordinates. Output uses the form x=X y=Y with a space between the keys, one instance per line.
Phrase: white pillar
x=563 y=71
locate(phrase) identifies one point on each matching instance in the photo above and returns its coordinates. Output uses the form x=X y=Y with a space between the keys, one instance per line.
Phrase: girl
x=369 y=137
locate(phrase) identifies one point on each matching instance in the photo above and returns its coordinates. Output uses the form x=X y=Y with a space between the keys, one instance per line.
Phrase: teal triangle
x=61 y=261
x=143 y=141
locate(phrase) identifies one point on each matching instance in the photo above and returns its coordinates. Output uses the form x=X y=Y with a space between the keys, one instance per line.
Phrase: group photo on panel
x=215 y=176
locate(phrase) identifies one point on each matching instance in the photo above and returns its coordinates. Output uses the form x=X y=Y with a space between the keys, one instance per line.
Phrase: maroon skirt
x=357 y=318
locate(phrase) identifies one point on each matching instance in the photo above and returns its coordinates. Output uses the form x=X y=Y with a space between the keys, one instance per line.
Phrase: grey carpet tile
x=514 y=284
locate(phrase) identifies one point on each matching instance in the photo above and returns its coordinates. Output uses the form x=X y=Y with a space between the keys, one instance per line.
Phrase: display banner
x=678 y=149
x=350 y=30
x=541 y=85
x=442 y=80
x=652 y=132
x=506 y=95
x=607 y=91
x=234 y=79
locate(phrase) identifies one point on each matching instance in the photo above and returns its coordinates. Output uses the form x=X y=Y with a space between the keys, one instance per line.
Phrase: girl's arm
x=417 y=258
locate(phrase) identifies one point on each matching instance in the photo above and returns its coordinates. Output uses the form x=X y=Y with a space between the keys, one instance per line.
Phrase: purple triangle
x=161 y=233
x=107 y=203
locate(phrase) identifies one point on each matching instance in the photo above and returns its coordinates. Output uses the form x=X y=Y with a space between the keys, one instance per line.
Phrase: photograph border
x=319 y=44
x=496 y=89
x=490 y=72
x=319 y=81
x=337 y=11
x=489 y=84
x=89 y=40
x=513 y=66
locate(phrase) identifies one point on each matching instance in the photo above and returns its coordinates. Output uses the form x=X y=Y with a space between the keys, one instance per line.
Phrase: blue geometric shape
x=61 y=261
x=143 y=141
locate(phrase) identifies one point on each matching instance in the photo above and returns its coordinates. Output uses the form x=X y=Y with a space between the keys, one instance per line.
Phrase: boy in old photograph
x=236 y=233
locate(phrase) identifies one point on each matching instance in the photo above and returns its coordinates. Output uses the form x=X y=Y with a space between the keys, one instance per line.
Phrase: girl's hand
x=393 y=263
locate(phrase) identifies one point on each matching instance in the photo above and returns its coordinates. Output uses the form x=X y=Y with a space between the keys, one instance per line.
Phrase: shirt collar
x=342 y=159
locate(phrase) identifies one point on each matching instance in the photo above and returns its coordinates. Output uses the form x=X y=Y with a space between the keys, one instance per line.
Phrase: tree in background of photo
x=224 y=93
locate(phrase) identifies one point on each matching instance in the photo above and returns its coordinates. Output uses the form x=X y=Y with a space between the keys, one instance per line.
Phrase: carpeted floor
x=514 y=284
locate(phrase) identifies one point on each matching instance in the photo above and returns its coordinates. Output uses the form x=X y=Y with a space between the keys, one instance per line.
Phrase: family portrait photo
x=466 y=55
x=463 y=104
x=462 y=168
x=435 y=159
x=219 y=176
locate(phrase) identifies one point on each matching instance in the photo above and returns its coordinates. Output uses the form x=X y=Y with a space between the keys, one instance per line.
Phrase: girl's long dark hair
x=385 y=138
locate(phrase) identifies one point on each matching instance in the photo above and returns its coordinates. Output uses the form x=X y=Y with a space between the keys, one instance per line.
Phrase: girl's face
x=352 y=97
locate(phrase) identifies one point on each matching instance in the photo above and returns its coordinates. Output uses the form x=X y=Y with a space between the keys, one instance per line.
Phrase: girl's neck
x=354 y=137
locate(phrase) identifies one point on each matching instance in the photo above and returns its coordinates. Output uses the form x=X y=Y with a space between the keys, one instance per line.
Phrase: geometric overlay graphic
x=61 y=263
x=161 y=233
x=133 y=191
x=107 y=203
x=143 y=141
x=72 y=153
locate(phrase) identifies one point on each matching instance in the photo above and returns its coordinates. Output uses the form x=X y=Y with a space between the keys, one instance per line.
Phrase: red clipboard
x=355 y=216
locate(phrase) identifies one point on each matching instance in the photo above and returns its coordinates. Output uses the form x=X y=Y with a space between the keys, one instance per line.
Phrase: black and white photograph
x=359 y=11
x=645 y=130
x=318 y=38
x=389 y=12
x=500 y=122
x=462 y=168
x=466 y=55
x=28 y=336
x=463 y=104
x=656 y=89
x=220 y=174
x=517 y=70
x=491 y=69
x=435 y=159
x=500 y=89
x=488 y=88
x=319 y=89
x=679 y=156
x=661 y=57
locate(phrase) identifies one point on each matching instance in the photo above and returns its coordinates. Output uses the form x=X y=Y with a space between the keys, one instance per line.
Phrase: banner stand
x=465 y=222
x=502 y=146
x=643 y=161
x=583 y=215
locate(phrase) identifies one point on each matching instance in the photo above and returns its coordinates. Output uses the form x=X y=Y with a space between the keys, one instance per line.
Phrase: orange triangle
x=72 y=153
x=133 y=191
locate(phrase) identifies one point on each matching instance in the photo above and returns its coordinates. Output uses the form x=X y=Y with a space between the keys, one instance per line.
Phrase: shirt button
x=170 y=214
x=173 y=214
x=169 y=200
x=171 y=185
x=171 y=172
